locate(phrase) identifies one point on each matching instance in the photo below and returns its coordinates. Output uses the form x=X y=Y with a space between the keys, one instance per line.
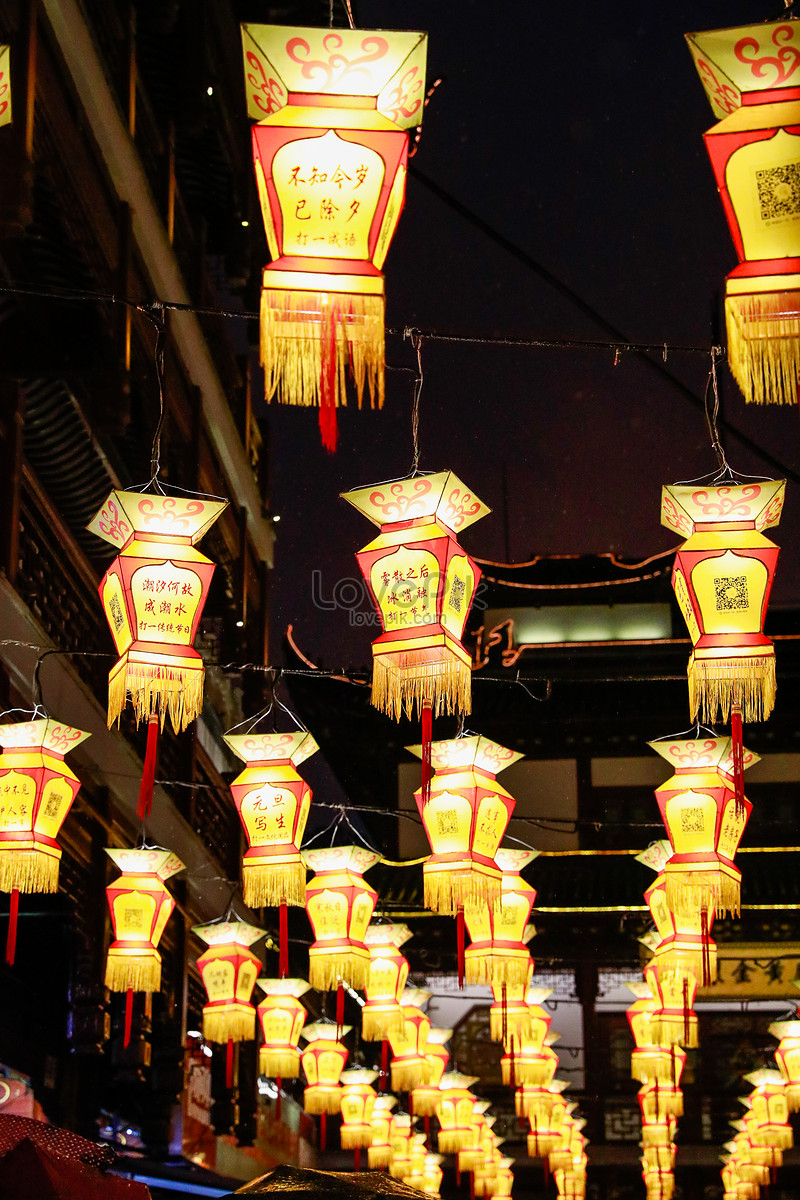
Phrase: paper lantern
x=323 y=1061
x=410 y=1068
x=455 y=1111
x=465 y=820
x=432 y=1175
x=651 y=1064
x=140 y=907
x=229 y=970
x=787 y=1056
x=422 y=584
x=674 y=1022
x=535 y=1064
x=417 y=1155
x=425 y=1097
x=749 y=74
x=357 y=1103
x=683 y=946
x=659 y=1100
x=545 y=1128
x=510 y=1013
x=498 y=954
x=536 y=1102
x=705 y=823
x=282 y=1017
x=5 y=85
x=569 y=1144
x=37 y=789
x=770 y=1108
x=471 y=1156
x=386 y=979
x=401 y=1129
x=272 y=802
x=380 y=1152
x=659 y=1184
x=722 y=578
x=330 y=147
x=153 y=595
x=340 y=905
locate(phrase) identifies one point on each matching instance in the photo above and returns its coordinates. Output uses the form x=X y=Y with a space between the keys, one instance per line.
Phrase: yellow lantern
x=535 y=1064
x=5 y=86
x=545 y=1129
x=651 y=1064
x=386 y=979
x=498 y=954
x=658 y=1101
x=510 y=1013
x=465 y=820
x=401 y=1129
x=471 y=1156
x=140 y=907
x=432 y=1175
x=422 y=584
x=229 y=970
x=455 y=1111
x=659 y=1185
x=417 y=1155
x=674 y=1022
x=282 y=1017
x=379 y=1153
x=539 y=1102
x=500 y=1183
x=153 y=595
x=410 y=1067
x=770 y=1108
x=357 y=1103
x=425 y=1097
x=272 y=802
x=683 y=946
x=340 y=905
x=330 y=147
x=569 y=1145
x=722 y=579
x=787 y=1056
x=323 y=1061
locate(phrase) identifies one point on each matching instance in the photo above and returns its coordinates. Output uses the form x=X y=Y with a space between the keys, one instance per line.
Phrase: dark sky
x=575 y=132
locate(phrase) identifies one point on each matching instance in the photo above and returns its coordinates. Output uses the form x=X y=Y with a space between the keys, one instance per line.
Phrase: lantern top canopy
x=764 y=1077
x=322 y=1031
x=746 y=58
x=438 y=1036
x=687 y=507
x=47 y=734
x=284 y=987
x=441 y=497
x=341 y=858
x=785 y=1029
x=511 y=862
x=5 y=86
x=467 y=752
x=292 y=67
x=272 y=747
x=162 y=863
x=387 y=935
x=358 y=1077
x=700 y=754
x=226 y=933
x=657 y=853
x=126 y=514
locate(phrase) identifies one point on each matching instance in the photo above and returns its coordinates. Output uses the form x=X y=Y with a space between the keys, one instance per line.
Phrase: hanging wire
x=348 y=7
x=155 y=314
x=419 y=379
x=712 y=414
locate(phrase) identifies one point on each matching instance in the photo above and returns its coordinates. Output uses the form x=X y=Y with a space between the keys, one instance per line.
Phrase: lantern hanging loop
x=697 y=729
x=416 y=341
x=712 y=414
x=38 y=705
x=154 y=311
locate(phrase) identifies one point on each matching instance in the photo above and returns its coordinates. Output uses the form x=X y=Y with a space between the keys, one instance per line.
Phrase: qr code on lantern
x=692 y=820
x=447 y=822
x=779 y=191
x=731 y=593
x=457 y=594
x=132 y=918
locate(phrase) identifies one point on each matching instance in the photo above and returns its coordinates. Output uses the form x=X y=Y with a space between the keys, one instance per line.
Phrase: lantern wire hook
x=38 y=704
x=154 y=312
x=416 y=341
x=711 y=407
x=348 y=8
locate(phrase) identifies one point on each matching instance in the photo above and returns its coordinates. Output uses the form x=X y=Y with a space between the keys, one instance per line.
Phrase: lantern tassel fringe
x=379 y=1157
x=716 y=685
x=328 y=968
x=269 y=884
x=275 y=1063
x=29 y=871
x=137 y=975
x=376 y=1026
x=355 y=1138
x=519 y=1025
x=675 y=1031
x=447 y=891
x=452 y=1140
x=317 y=1101
x=402 y=682
x=156 y=690
x=233 y=1026
x=697 y=891
x=764 y=345
x=407 y=1076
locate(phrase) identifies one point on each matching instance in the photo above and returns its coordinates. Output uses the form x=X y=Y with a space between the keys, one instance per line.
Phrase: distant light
x=245 y=224
x=207 y=1051
x=240 y=624
x=193 y=1033
x=209 y=91
x=276 y=517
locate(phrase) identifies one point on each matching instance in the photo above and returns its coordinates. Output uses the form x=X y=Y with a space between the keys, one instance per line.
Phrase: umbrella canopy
x=309 y=1185
x=50 y=1137
x=29 y=1170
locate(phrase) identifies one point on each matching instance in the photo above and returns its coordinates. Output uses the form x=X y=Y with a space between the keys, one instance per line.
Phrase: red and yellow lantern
x=432 y=1175
x=323 y=1061
x=683 y=946
x=770 y=1108
x=472 y=1155
x=340 y=904
x=674 y=1021
x=787 y=1056
x=422 y=583
x=410 y=1067
x=401 y=1131
x=229 y=970
x=455 y=1111
x=657 y=1101
x=379 y=1153
x=534 y=1062
x=722 y=579
x=140 y=907
x=498 y=954
x=425 y=1097
x=357 y=1103
x=5 y=86
x=153 y=595
x=272 y=802
x=282 y=1017
x=386 y=981
x=465 y=820
x=545 y=1128
x=511 y=1011
x=652 y=1064
x=750 y=77
x=330 y=148
x=536 y=1102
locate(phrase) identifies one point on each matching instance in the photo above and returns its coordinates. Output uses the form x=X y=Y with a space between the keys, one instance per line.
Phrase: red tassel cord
x=705 y=940
x=737 y=748
x=427 y=739
x=357 y=1159
x=472 y=1185
x=512 y=1071
x=339 y=1009
x=283 y=940
x=427 y=1133
x=328 y=426
x=229 y=1064
x=461 y=938
x=384 y=1075
x=686 y=1011
x=323 y=1131
x=278 y=1096
x=126 y=1038
x=504 y=1015
x=13 y=915
x=145 y=805
x=546 y=1168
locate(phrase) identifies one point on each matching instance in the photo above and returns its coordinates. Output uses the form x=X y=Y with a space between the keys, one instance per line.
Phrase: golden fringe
x=651 y=1071
x=764 y=345
x=275 y=1063
x=319 y=1099
x=716 y=684
x=453 y=1140
x=127 y=972
x=448 y=890
x=427 y=1104
x=513 y=972
x=540 y=1106
x=379 y=1157
x=266 y=885
x=407 y=1076
x=520 y=1025
x=376 y=1025
x=296 y=328
x=236 y=1025
x=675 y=965
x=476 y=966
x=541 y=1145
x=528 y=1073
x=156 y=691
x=356 y=1137
x=793 y=1097
x=781 y=1138
x=671 y=1031
x=403 y=680
x=29 y=870
x=326 y=967
x=400 y=1170
x=689 y=892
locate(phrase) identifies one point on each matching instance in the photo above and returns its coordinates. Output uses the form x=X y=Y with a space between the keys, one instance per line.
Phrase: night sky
x=575 y=133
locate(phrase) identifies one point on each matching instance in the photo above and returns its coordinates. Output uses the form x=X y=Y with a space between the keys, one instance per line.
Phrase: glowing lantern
x=471 y=1156
x=340 y=905
x=386 y=979
x=569 y=1144
x=465 y=820
x=455 y=1111
x=323 y=1062
x=229 y=971
x=432 y=1175
x=357 y=1103
x=535 y=1064
x=422 y=584
x=545 y=1128
x=530 y=1041
x=750 y=77
x=37 y=789
x=503 y=1179
x=498 y=954
x=770 y=1108
x=425 y=1097
x=140 y=907
x=380 y=1151
x=282 y=1018
x=330 y=147
x=510 y=1013
x=705 y=823
x=651 y=1064
x=400 y=1133
x=673 y=1023
x=683 y=946
x=153 y=595
x=272 y=802
x=659 y=1100
x=787 y=1056
x=536 y=1102
x=409 y=1066
x=659 y=1184
x=722 y=579
x=5 y=86
x=640 y=1014
x=417 y=1155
